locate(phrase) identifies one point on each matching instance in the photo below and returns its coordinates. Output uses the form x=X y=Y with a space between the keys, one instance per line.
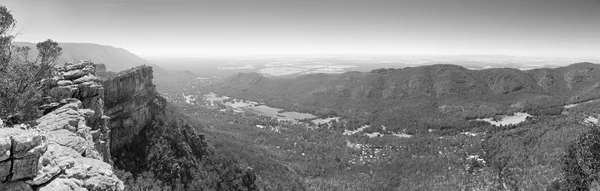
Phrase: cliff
x=128 y=96
x=67 y=148
x=150 y=135
x=92 y=122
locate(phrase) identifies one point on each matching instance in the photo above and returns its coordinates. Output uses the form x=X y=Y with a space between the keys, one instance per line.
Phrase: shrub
x=21 y=77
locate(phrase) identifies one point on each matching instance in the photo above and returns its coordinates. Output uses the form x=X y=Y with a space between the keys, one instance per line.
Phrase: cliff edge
x=151 y=136
x=128 y=96
x=67 y=148
x=95 y=121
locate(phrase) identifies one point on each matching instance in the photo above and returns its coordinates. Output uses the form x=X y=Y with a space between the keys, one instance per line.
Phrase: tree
x=48 y=52
x=7 y=23
x=21 y=77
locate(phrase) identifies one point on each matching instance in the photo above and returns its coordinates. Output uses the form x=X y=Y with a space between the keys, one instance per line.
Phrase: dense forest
x=533 y=155
x=425 y=97
x=552 y=150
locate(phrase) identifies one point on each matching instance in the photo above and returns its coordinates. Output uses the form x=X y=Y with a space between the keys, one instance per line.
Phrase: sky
x=195 y=28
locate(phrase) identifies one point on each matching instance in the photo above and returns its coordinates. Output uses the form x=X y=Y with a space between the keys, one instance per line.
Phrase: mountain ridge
x=389 y=96
x=115 y=59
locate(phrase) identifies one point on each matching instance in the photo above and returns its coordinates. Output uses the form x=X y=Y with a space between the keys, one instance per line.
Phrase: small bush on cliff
x=21 y=76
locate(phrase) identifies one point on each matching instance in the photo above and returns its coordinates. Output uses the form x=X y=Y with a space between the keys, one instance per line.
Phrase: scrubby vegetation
x=22 y=76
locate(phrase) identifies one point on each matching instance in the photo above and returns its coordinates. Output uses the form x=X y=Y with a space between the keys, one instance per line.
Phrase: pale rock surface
x=21 y=149
x=65 y=83
x=69 y=148
x=63 y=184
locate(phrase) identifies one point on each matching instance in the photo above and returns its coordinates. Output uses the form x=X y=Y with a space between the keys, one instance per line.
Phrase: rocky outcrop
x=128 y=97
x=91 y=120
x=67 y=149
x=20 y=151
x=78 y=80
x=57 y=154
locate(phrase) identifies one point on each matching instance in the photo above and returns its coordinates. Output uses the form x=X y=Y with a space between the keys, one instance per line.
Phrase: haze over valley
x=300 y=95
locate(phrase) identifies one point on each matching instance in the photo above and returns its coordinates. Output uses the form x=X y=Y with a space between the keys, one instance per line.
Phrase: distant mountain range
x=424 y=96
x=115 y=59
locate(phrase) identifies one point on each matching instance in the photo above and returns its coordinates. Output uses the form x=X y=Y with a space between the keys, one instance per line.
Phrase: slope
x=115 y=59
x=422 y=97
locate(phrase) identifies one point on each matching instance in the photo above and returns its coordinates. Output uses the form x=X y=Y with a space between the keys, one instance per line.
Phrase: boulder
x=89 y=67
x=87 y=113
x=28 y=143
x=85 y=168
x=56 y=159
x=63 y=184
x=24 y=168
x=86 y=78
x=66 y=138
x=5 y=147
x=77 y=65
x=64 y=83
x=89 y=89
x=65 y=117
x=74 y=74
x=62 y=92
x=5 y=170
x=20 y=151
x=15 y=186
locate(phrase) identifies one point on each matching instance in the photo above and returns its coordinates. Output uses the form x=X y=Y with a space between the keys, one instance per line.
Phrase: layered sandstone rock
x=128 y=98
x=20 y=151
x=78 y=80
x=57 y=154
x=68 y=149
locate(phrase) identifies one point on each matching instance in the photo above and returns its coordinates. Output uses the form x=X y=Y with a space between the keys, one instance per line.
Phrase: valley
x=293 y=95
x=297 y=146
x=307 y=155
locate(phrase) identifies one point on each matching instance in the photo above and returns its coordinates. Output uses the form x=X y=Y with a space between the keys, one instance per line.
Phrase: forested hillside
x=115 y=59
x=425 y=97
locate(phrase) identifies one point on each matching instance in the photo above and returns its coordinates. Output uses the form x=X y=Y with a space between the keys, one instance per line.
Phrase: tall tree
x=7 y=23
x=21 y=77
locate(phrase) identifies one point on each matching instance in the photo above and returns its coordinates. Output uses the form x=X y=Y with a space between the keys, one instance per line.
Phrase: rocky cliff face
x=68 y=148
x=88 y=122
x=128 y=96
x=150 y=135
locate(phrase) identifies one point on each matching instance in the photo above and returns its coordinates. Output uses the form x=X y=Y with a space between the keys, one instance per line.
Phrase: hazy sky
x=151 y=28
